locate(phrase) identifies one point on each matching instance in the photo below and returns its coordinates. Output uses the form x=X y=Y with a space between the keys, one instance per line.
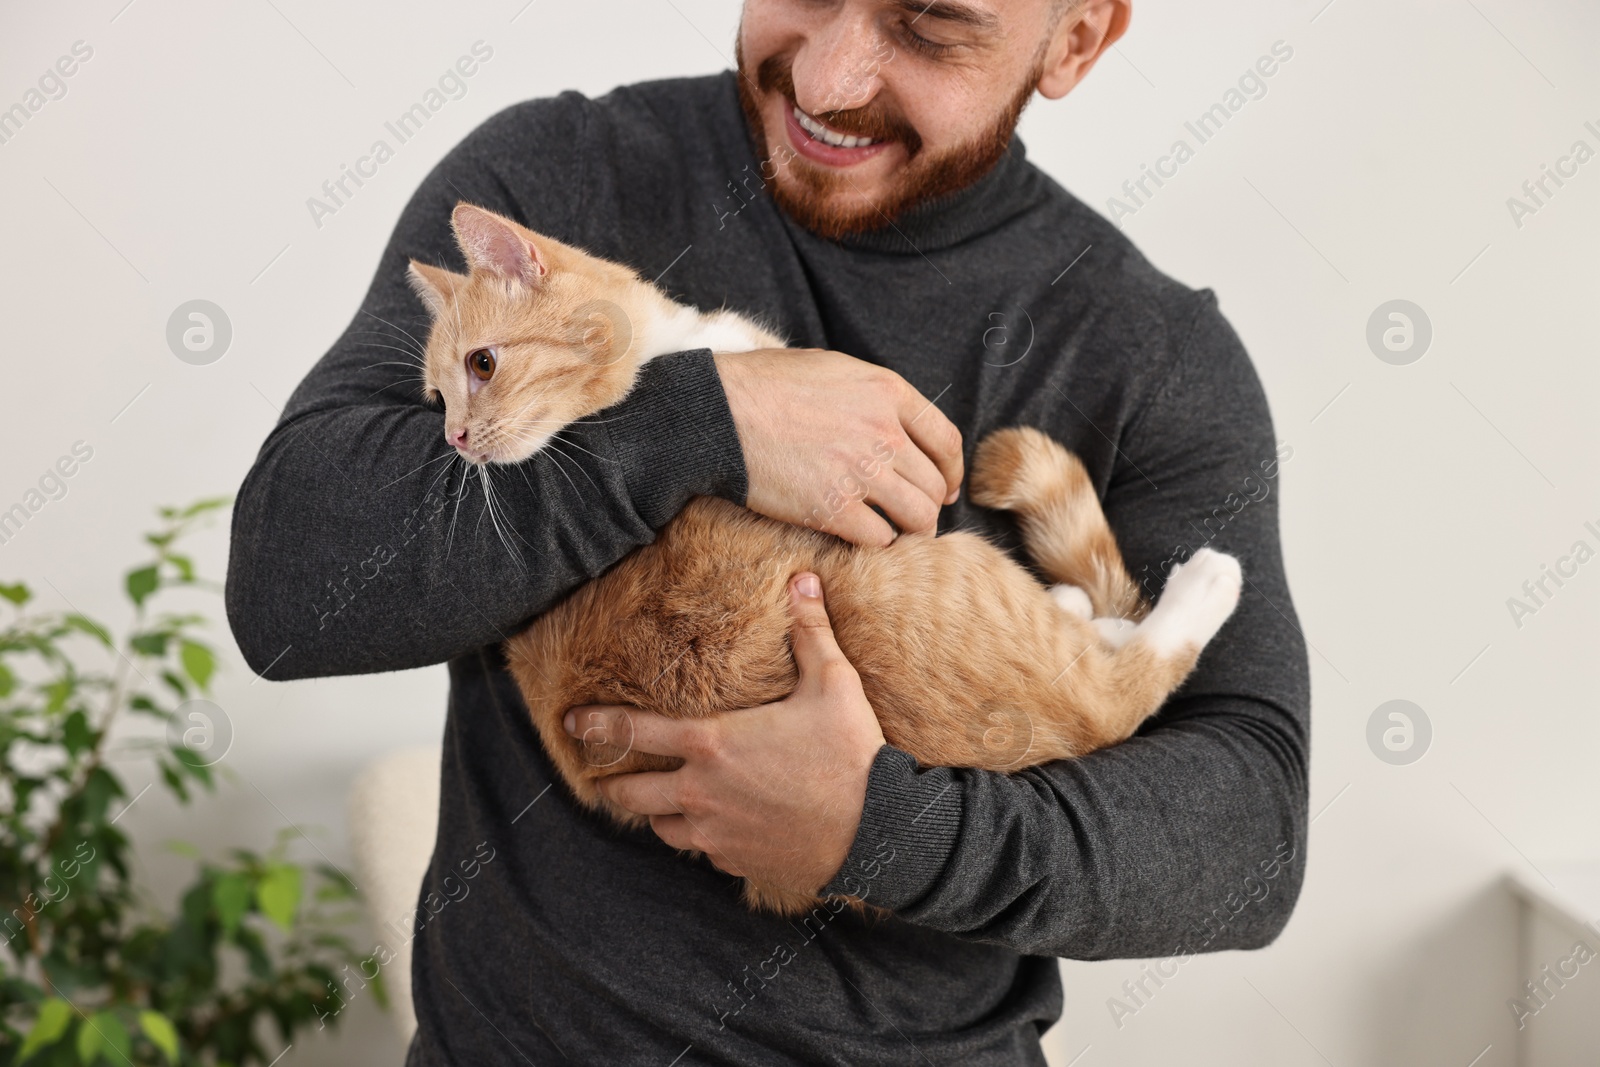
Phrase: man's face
x=935 y=87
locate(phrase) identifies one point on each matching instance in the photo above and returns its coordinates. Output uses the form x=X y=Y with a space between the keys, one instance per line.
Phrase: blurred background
x=1377 y=218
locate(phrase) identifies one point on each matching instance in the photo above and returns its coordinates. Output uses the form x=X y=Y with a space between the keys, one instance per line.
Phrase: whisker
x=551 y=449
x=391 y=325
x=410 y=349
x=392 y=363
x=494 y=517
x=413 y=470
x=451 y=536
x=580 y=448
x=560 y=468
x=403 y=381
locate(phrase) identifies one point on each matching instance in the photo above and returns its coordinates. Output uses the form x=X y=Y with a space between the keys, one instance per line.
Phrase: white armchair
x=393 y=816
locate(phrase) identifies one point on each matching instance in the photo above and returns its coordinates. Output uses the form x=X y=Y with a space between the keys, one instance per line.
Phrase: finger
x=858 y=524
x=914 y=466
x=643 y=792
x=629 y=728
x=907 y=506
x=679 y=832
x=937 y=436
x=810 y=629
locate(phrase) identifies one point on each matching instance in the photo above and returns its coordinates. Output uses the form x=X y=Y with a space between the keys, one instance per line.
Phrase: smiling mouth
x=828 y=136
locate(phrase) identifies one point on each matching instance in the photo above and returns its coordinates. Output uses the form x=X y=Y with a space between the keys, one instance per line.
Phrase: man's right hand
x=825 y=435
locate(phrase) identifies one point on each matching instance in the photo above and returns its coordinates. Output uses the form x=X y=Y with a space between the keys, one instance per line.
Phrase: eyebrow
x=950 y=11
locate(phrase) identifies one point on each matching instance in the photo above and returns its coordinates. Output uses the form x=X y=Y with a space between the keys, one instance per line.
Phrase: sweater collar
x=1010 y=187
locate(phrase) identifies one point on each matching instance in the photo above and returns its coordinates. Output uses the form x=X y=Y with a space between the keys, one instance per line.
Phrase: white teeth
x=827 y=136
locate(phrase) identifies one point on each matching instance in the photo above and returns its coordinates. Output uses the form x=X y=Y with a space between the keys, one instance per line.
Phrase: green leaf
x=90 y=1040
x=54 y=1015
x=90 y=627
x=182 y=848
x=231 y=895
x=198 y=662
x=195 y=764
x=8 y=681
x=178 y=684
x=169 y=774
x=17 y=593
x=278 y=894
x=103 y=1032
x=144 y=704
x=151 y=644
x=159 y=1029
x=183 y=564
x=76 y=734
x=206 y=504
x=143 y=582
x=59 y=691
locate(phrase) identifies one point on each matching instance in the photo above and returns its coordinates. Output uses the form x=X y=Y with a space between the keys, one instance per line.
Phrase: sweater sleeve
x=1189 y=836
x=361 y=543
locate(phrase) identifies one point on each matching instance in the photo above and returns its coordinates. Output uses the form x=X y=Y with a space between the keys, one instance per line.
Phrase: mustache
x=776 y=75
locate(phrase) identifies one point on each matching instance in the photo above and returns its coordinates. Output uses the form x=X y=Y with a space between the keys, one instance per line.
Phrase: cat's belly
x=950 y=638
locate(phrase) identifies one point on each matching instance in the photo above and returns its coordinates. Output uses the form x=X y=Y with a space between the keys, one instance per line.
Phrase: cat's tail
x=1023 y=471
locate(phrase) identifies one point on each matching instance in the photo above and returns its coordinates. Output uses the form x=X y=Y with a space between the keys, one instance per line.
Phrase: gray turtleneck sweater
x=544 y=935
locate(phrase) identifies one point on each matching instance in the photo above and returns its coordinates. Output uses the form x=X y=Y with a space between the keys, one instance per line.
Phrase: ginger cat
x=966 y=659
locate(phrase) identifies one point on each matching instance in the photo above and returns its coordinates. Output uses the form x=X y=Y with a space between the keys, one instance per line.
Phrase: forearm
x=1145 y=849
x=361 y=544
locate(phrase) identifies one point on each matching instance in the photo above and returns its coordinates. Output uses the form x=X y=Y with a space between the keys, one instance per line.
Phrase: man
x=858 y=182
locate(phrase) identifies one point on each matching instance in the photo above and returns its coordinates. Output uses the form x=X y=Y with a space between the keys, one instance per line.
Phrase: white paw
x=1199 y=597
x=1072 y=600
x=1116 y=632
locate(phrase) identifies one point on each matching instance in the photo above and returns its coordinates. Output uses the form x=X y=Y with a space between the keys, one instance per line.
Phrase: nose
x=838 y=69
x=458 y=438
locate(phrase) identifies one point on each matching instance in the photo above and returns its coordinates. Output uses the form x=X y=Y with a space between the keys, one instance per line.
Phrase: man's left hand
x=774 y=792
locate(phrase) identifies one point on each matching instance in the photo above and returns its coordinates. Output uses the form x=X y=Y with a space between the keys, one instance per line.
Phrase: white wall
x=1419 y=497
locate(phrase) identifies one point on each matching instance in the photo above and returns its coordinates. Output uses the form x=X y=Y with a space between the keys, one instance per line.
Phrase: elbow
x=254 y=599
x=251 y=618
x=1276 y=890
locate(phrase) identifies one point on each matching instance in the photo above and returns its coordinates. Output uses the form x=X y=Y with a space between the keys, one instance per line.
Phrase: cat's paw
x=1199 y=596
x=1203 y=592
x=1072 y=600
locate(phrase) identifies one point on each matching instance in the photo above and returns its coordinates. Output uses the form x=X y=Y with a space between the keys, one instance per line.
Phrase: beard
x=810 y=195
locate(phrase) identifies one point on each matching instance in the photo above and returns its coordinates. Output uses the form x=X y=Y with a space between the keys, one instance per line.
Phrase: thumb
x=810 y=631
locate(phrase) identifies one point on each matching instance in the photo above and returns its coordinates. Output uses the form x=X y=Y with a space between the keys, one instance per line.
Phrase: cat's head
x=534 y=337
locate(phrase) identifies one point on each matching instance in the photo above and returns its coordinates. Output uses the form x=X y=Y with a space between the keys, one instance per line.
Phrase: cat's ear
x=494 y=244
x=434 y=285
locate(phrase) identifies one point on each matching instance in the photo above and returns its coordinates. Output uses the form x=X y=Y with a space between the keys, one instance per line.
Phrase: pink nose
x=457 y=437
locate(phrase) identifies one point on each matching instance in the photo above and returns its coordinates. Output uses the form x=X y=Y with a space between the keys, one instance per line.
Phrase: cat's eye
x=481 y=363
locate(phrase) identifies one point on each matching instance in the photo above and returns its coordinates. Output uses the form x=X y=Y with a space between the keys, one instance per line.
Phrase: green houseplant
x=91 y=970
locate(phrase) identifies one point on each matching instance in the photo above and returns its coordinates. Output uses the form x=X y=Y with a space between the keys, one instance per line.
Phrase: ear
x=497 y=245
x=434 y=285
x=1084 y=34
